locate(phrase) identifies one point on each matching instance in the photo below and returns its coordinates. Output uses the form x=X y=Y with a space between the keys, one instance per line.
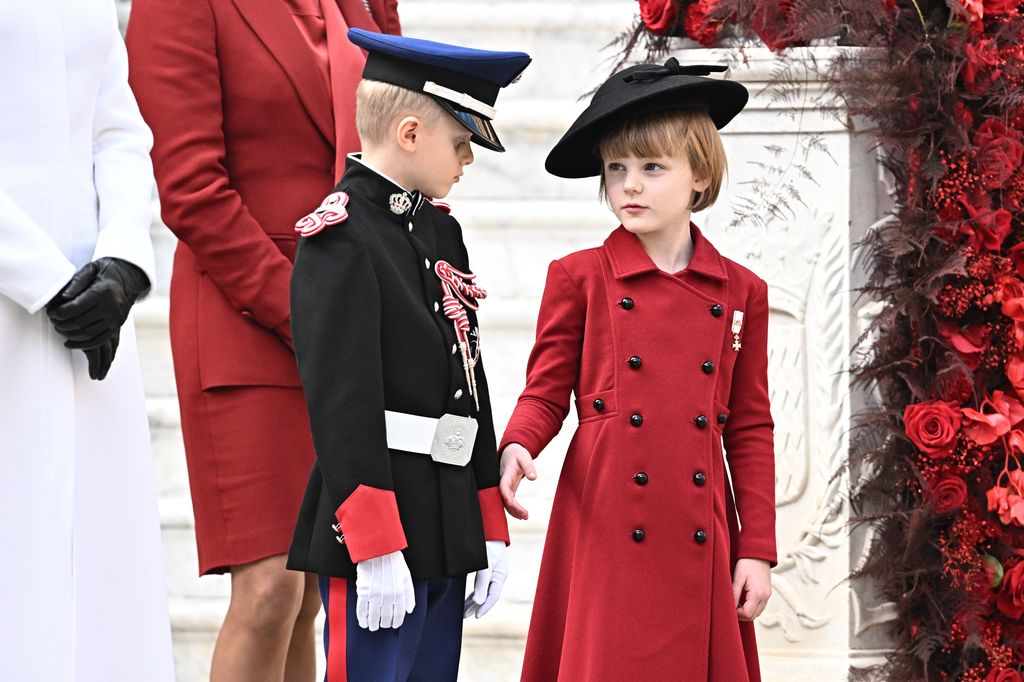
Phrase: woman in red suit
x=252 y=106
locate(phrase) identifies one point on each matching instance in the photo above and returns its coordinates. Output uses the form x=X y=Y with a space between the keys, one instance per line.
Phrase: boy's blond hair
x=673 y=133
x=378 y=104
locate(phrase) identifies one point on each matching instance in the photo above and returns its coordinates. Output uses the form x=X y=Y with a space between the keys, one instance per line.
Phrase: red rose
x=933 y=426
x=1003 y=675
x=699 y=25
x=999 y=152
x=1001 y=6
x=990 y=226
x=978 y=71
x=1010 y=598
x=772 y=25
x=658 y=15
x=948 y=493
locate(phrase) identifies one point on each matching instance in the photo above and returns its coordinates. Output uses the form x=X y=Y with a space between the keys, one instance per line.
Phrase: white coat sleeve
x=122 y=169
x=32 y=267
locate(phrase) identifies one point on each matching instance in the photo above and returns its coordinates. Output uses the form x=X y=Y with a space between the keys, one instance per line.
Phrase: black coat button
x=626 y=303
x=635 y=362
x=722 y=418
x=700 y=536
x=639 y=535
x=717 y=310
x=598 y=404
x=699 y=478
x=707 y=367
x=641 y=478
x=636 y=420
x=701 y=421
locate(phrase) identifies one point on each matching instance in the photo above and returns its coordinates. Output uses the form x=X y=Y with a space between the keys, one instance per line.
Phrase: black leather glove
x=101 y=357
x=94 y=304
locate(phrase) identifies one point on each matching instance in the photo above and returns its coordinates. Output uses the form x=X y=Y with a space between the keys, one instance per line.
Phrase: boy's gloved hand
x=384 y=592
x=489 y=581
x=94 y=304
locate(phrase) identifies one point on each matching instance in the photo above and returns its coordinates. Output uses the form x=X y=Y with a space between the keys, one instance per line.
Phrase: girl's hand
x=516 y=462
x=751 y=587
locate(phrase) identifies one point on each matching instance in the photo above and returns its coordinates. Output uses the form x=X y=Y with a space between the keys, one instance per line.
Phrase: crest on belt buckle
x=453 y=440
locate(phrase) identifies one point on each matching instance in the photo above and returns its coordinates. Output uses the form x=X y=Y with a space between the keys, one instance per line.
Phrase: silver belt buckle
x=453 y=440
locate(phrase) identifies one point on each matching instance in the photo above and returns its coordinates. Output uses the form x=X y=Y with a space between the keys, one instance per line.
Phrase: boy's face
x=651 y=194
x=442 y=150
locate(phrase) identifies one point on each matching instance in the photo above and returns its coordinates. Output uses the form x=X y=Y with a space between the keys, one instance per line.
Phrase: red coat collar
x=628 y=257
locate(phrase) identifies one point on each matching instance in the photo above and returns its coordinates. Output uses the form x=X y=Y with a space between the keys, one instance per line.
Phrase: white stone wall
x=518 y=218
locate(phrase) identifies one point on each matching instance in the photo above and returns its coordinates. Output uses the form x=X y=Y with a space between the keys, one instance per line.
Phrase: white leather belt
x=448 y=439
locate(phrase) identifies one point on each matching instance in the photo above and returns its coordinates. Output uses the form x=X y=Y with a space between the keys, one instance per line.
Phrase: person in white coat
x=81 y=580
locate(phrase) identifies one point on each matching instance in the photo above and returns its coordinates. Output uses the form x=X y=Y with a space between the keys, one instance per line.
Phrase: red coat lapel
x=276 y=29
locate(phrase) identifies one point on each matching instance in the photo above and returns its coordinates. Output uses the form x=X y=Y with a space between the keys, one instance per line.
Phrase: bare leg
x=254 y=640
x=300 y=665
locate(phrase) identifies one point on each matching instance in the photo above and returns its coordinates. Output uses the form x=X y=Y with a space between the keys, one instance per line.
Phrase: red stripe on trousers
x=337 y=661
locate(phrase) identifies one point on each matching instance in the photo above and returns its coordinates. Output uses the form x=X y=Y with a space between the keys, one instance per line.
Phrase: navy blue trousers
x=425 y=649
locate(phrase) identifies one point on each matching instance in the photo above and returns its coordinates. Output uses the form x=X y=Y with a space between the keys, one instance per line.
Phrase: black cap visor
x=483 y=132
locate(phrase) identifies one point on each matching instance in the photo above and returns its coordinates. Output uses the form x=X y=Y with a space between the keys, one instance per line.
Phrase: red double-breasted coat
x=636 y=577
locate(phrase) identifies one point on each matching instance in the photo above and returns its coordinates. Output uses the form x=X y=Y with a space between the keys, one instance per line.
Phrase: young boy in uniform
x=402 y=502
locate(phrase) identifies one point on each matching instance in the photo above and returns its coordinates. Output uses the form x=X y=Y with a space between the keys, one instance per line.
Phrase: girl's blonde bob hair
x=673 y=133
x=378 y=104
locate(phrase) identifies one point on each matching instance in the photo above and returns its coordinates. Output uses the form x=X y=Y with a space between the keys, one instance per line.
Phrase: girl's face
x=651 y=194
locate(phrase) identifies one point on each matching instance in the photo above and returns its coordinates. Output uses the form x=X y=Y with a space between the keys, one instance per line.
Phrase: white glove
x=384 y=592
x=489 y=581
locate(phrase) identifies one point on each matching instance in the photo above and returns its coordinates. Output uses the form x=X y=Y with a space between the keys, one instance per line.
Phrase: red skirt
x=249 y=454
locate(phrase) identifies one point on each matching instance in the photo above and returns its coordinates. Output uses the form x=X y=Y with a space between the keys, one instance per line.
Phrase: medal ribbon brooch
x=737 y=325
x=459 y=294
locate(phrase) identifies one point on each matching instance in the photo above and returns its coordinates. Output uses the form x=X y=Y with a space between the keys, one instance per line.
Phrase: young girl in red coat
x=647 y=571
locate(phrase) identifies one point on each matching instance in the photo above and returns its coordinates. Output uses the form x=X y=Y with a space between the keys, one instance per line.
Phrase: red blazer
x=644 y=524
x=244 y=146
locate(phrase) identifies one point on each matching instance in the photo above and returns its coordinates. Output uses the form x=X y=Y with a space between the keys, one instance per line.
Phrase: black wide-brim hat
x=633 y=92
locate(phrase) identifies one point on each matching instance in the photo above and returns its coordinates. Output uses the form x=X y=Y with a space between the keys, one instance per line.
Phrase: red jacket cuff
x=370 y=524
x=520 y=437
x=747 y=549
x=493 y=512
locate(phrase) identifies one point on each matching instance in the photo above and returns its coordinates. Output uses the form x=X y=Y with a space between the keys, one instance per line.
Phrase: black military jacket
x=371 y=335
